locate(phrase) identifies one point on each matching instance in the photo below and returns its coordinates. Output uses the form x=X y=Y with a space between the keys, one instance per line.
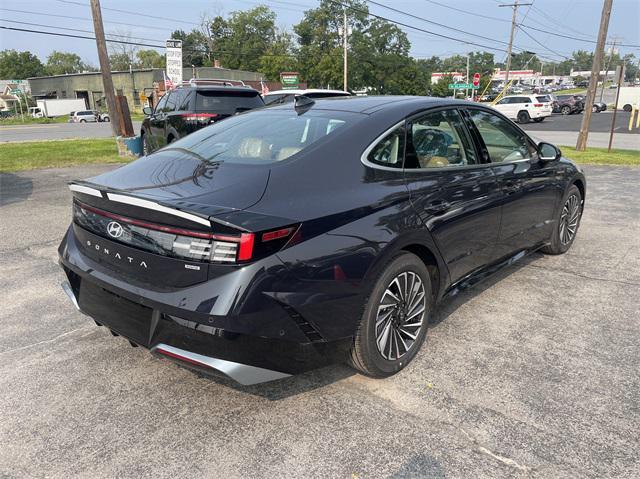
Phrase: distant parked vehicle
x=524 y=108
x=102 y=116
x=582 y=84
x=84 y=116
x=569 y=104
x=629 y=96
x=192 y=106
x=287 y=96
x=598 y=107
x=50 y=108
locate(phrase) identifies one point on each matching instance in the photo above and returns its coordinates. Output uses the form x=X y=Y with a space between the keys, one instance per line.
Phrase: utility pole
x=466 y=91
x=581 y=144
x=514 y=6
x=105 y=67
x=345 y=34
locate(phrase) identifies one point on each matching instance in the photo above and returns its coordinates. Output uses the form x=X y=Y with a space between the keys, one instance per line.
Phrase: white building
x=457 y=76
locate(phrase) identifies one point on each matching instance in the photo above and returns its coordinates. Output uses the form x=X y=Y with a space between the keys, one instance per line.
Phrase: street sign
x=476 y=80
x=143 y=97
x=289 y=80
x=174 y=61
x=15 y=92
x=461 y=86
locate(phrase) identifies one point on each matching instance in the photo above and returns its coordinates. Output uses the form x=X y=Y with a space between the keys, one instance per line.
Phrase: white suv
x=524 y=108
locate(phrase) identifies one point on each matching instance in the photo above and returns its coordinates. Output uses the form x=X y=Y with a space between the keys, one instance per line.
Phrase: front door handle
x=437 y=207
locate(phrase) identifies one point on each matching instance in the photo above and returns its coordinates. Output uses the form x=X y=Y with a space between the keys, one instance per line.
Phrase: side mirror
x=548 y=152
x=147 y=110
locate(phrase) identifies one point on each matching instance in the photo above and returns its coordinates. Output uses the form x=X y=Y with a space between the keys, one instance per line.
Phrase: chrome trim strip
x=66 y=287
x=86 y=190
x=150 y=205
x=242 y=373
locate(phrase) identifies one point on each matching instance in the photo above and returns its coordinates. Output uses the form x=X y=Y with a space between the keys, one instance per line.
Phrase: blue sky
x=578 y=16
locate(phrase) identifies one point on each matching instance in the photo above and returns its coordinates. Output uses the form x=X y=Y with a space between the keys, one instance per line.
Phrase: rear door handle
x=437 y=207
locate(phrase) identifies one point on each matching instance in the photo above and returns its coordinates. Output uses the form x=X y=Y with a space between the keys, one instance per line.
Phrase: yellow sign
x=143 y=97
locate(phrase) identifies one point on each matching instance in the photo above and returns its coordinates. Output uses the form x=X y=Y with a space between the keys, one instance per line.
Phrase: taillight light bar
x=538 y=104
x=198 y=116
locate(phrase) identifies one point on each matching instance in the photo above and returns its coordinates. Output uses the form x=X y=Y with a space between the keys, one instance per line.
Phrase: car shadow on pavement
x=449 y=305
x=14 y=188
x=318 y=378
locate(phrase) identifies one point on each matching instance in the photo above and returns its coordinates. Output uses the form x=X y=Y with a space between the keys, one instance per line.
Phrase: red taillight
x=277 y=234
x=538 y=104
x=246 y=246
x=198 y=116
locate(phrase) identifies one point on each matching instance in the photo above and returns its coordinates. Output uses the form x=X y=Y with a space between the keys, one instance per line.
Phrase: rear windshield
x=227 y=103
x=264 y=136
x=543 y=98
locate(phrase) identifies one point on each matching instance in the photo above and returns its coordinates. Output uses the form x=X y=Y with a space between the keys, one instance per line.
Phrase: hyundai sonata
x=295 y=236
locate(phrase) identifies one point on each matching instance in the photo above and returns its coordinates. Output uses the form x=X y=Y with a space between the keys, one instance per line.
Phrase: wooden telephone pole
x=581 y=144
x=345 y=46
x=513 y=31
x=105 y=67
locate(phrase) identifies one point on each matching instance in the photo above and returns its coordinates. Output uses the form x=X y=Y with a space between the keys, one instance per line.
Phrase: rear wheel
x=83 y=121
x=595 y=109
x=565 y=110
x=566 y=228
x=523 y=117
x=394 y=323
x=627 y=107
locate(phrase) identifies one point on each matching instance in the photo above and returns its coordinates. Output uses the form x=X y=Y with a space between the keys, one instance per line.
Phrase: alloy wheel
x=401 y=314
x=569 y=219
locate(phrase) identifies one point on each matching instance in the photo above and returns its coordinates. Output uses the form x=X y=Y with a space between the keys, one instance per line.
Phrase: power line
x=544 y=46
x=129 y=12
x=469 y=13
x=79 y=18
x=574 y=38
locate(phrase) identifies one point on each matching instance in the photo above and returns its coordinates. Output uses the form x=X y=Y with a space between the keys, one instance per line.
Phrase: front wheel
x=564 y=233
x=523 y=117
x=395 y=319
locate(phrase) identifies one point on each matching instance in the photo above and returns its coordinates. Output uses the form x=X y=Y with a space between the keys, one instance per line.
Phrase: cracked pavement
x=533 y=373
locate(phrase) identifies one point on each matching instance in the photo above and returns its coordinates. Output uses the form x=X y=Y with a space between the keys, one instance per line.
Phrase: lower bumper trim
x=243 y=373
x=66 y=287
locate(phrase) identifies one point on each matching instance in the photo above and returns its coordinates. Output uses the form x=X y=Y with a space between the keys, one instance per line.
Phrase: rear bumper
x=258 y=346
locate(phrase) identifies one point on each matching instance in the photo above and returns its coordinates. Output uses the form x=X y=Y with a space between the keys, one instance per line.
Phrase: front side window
x=504 y=141
x=438 y=140
x=161 y=103
x=390 y=150
x=264 y=136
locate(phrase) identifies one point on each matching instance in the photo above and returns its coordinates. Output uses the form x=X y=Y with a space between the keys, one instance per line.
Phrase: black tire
x=627 y=107
x=565 y=110
x=556 y=245
x=595 y=109
x=523 y=117
x=538 y=120
x=365 y=355
x=106 y=119
x=83 y=121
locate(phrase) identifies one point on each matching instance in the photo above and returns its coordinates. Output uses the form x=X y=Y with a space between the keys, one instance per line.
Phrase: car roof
x=308 y=90
x=371 y=104
x=225 y=88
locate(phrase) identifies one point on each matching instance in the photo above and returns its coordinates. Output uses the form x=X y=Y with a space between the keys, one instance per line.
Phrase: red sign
x=476 y=79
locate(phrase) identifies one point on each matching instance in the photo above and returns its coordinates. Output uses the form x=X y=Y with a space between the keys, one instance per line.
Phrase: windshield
x=263 y=136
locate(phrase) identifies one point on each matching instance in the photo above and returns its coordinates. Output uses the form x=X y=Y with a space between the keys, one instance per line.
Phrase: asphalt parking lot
x=534 y=373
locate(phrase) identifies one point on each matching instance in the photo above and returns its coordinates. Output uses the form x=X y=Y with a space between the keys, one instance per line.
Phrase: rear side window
x=264 y=136
x=390 y=150
x=227 y=103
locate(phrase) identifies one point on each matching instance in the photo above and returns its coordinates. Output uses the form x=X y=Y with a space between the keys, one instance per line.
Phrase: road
x=534 y=373
x=58 y=131
x=600 y=123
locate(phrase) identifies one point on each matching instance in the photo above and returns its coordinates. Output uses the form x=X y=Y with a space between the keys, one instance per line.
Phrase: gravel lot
x=535 y=373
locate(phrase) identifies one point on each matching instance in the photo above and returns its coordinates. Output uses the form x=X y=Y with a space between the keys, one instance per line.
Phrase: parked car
x=582 y=84
x=598 y=107
x=487 y=98
x=84 y=116
x=102 y=116
x=525 y=108
x=308 y=233
x=287 y=96
x=569 y=104
x=193 y=106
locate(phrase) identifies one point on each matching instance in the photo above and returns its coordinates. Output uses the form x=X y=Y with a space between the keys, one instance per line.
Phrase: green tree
x=19 y=65
x=278 y=58
x=195 y=50
x=60 y=63
x=441 y=88
x=120 y=62
x=150 y=59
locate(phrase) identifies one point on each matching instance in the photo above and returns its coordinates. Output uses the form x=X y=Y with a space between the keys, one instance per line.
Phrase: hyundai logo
x=115 y=229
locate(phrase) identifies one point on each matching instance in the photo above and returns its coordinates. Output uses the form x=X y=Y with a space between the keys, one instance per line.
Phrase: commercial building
x=131 y=84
